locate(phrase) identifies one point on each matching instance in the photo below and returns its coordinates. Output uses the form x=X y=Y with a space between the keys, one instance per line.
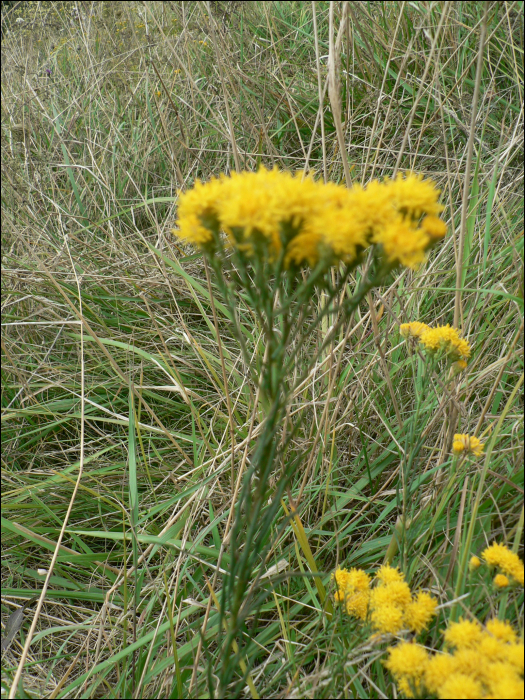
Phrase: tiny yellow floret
x=403 y=242
x=394 y=593
x=501 y=581
x=516 y=656
x=438 y=669
x=475 y=563
x=353 y=591
x=507 y=687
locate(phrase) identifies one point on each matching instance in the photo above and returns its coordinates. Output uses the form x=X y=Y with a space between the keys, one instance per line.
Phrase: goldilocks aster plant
x=477 y=661
x=273 y=237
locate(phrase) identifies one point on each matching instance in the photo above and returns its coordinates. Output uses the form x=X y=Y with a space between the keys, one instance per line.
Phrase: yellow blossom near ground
x=407 y=662
x=501 y=630
x=497 y=555
x=395 y=593
x=467 y=444
x=483 y=663
x=459 y=685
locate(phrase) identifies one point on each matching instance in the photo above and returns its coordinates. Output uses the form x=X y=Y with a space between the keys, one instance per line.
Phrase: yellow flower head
x=459 y=685
x=353 y=591
x=463 y=634
x=306 y=247
x=467 y=444
x=468 y=661
x=439 y=667
x=357 y=604
x=407 y=663
x=505 y=685
x=491 y=648
x=403 y=242
x=509 y=562
x=395 y=593
x=516 y=655
x=447 y=339
x=387 y=619
x=420 y=611
x=415 y=196
x=475 y=563
x=501 y=630
x=197 y=208
x=249 y=208
x=413 y=330
x=387 y=574
x=338 y=227
x=459 y=366
x=501 y=581
x=435 y=227
x=374 y=205
x=355 y=579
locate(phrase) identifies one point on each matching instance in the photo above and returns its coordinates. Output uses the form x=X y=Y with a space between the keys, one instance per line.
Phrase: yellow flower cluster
x=442 y=338
x=389 y=605
x=465 y=444
x=484 y=663
x=313 y=220
x=447 y=339
x=511 y=566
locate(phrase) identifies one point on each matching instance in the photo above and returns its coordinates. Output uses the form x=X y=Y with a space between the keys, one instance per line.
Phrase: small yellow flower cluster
x=511 y=566
x=353 y=589
x=442 y=338
x=390 y=605
x=465 y=444
x=313 y=220
x=485 y=663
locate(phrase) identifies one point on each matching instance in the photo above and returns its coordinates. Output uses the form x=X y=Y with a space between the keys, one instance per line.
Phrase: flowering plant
x=272 y=238
x=477 y=661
